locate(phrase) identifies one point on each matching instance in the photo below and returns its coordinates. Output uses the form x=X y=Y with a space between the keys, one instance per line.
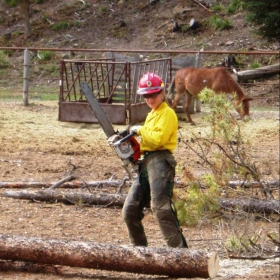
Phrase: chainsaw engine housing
x=129 y=149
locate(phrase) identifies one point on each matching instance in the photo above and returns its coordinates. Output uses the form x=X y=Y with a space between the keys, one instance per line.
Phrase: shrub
x=45 y=55
x=185 y=28
x=223 y=150
x=219 y=23
x=196 y=202
x=255 y=65
x=235 y=6
x=12 y=3
x=217 y=8
x=102 y=10
x=60 y=26
x=266 y=14
x=4 y=61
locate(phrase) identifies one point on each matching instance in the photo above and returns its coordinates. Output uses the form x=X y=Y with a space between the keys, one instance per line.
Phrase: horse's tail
x=171 y=88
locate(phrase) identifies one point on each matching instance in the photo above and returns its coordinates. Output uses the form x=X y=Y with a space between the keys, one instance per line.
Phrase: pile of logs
x=50 y=195
x=172 y=262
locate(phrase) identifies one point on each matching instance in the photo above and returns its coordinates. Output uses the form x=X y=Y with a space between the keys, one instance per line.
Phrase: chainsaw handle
x=124 y=139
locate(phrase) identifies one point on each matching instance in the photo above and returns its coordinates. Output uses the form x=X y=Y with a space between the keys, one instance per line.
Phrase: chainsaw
x=124 y=144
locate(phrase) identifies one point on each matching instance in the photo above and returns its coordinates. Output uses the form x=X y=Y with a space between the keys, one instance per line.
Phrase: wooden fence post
x=197 y=100
x=26 y=76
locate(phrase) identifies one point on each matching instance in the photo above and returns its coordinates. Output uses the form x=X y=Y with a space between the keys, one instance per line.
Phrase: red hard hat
x=150 y=83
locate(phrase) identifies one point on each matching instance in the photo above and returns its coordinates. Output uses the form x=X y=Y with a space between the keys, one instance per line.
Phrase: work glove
x=135 y=128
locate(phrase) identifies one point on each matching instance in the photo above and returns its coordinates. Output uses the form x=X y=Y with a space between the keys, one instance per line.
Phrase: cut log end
x=213 y=265
x=172 y=262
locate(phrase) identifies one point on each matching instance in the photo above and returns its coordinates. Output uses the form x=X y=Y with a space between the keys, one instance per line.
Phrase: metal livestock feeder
x=114 y=83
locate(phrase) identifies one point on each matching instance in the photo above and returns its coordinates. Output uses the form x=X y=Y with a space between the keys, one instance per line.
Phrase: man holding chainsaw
x=154 y=184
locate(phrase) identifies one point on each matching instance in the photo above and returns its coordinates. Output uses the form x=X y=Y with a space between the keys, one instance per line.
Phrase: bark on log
x=247 y=205
x=173 y=262
x=69 y=197
x=253 y=184
x=243 y=76
x=75 y=184
x=117 y=183
x=251 y=205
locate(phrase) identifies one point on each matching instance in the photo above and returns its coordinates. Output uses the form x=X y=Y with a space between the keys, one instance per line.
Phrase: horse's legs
x=176 y=100
x=187 y=106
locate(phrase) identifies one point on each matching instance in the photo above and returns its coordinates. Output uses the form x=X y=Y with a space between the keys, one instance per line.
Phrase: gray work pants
x=153 y=186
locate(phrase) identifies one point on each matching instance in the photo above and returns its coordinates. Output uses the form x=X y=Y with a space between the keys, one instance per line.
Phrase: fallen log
x=75 y=184
x=251 y=205
x=173 y=262
x=253 y=184
x=69 y=197
x=116 y=183
x=245 y=75
x=247 y=205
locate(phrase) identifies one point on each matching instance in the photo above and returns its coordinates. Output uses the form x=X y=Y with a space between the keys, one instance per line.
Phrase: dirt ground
x=36 y=147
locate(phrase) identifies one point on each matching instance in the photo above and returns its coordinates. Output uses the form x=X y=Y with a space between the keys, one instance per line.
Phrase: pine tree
x=266 y=14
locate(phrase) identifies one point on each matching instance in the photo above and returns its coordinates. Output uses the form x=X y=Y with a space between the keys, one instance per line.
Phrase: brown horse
x=192 y=80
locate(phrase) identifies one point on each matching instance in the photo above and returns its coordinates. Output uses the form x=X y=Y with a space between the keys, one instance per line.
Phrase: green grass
x=60 y=26
x=46 y=55
x=235 y=6
x=4 y=61
x=45 y=96
x=18 y=95
x=218 y=23
x=217 y=8
x=255 y=65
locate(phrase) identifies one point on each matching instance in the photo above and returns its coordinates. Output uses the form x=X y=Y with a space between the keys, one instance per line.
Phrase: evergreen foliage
x=266 y=14
x=224 y=150
x=12 y=3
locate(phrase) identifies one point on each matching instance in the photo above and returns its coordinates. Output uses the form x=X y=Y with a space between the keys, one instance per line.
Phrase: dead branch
x=202 y=5
x=122 y=184
x=60 y=182
x=273 y=240
x=256 y=257
x=234 y=153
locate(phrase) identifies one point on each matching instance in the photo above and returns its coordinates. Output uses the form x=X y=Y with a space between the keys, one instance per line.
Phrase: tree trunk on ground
x=251 y=184
x=70 y=197
x=251 y=205
x=243 y=76
x=73 y=184
x=116 y=183
x=247 y=205
x=173 y=262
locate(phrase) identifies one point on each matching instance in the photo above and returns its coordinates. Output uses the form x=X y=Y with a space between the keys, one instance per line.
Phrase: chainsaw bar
x=127 y=147
x=97 y=110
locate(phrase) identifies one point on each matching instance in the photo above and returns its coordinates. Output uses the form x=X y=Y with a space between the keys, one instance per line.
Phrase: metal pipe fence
x=44 y=75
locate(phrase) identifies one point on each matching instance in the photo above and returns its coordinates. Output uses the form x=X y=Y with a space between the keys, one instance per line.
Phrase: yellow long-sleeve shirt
x=160 y=130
